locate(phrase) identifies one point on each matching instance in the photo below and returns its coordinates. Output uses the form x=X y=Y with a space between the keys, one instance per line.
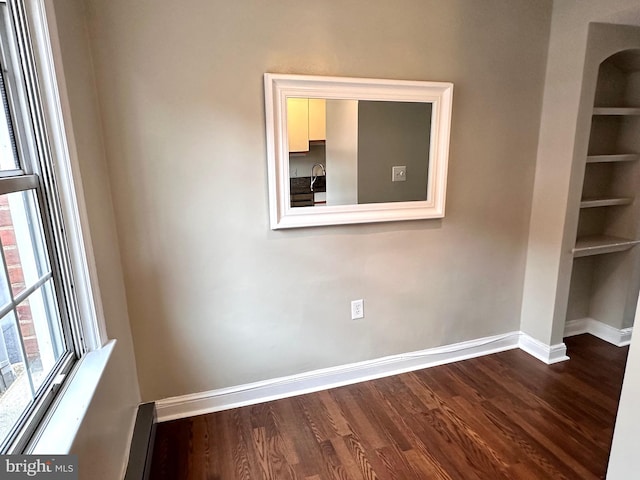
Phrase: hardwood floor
x=503 y=416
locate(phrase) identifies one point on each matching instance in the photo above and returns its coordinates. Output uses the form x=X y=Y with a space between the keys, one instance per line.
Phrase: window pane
x=41 y=332
x=22 y=240
x=32 y=339
x=15 y=389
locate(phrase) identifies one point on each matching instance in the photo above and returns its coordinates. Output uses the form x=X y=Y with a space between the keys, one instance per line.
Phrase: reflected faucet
x=315 y=177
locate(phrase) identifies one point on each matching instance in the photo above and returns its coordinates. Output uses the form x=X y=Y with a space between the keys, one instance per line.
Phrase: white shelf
x=605 y=270
x=616 y=111
x=601 y=244
x=605 y=202
x=623 y=157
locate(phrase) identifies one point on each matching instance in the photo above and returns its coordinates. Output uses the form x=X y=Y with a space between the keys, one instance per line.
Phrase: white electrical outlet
x=357 y=309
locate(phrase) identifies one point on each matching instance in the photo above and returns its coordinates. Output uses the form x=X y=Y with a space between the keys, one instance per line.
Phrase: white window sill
x=59 y=429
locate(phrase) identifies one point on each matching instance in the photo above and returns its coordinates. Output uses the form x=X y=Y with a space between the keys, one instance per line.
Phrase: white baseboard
x=283 y=387
x=576 y=327
x=549 y=354
x=616 y=336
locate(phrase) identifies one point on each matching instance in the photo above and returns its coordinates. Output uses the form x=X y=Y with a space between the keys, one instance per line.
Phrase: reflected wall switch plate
x=399 y=174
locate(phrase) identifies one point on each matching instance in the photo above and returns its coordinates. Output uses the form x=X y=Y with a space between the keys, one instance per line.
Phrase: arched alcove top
x=619 y=80
x=626 y=61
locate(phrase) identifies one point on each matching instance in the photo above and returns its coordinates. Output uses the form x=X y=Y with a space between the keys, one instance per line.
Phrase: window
x=40 y=338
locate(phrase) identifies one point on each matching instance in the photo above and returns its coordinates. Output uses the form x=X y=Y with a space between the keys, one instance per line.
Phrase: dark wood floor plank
x=261 y=448
x=367 y=434
x=276 y=457
x=358 y=452
x=453 y=428
x=333 y=464
x=504 y=416
x=425 y=467
x=244 y=454
x=589 y=433
x=170 y=454
x=398 y=390
x=318 y=418
x=282 y=444
x=575 y=450
x=419 y=457
x=335 y=416
x=438 y=439
x=347 y=460
x=551 y=441
x=201 y=449
x=471 y=415
x=350 y=402
x=523 y=461
x=223 y=441
x=294 y=426
x=395 y=463
x=393 y=431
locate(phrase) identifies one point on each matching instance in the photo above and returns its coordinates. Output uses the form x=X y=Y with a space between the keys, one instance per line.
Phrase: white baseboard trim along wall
x=283 y=387
x=549 y=354
x=618 y=337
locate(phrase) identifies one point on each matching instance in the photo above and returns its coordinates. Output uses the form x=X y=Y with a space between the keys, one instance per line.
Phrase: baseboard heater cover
x=141 y=450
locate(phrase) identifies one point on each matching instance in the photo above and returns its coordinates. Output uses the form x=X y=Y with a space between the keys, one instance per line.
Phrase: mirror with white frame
x=352 y=150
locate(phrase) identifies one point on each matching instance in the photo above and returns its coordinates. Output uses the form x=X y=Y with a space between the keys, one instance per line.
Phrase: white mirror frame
x=279 y=87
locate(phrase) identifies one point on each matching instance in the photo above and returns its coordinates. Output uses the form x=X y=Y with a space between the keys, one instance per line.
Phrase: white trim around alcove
x=252 y=393
x=620 y=337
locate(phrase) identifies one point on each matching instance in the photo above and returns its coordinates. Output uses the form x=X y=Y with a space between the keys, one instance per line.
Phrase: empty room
x=320 y=240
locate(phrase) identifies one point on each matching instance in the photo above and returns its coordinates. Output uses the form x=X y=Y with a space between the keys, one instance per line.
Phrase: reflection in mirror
x=363 y=150
x=355 y=145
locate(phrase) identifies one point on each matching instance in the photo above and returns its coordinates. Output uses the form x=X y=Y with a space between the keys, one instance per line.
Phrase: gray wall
x=214 y=296
x=102 y=443
x=392 y=134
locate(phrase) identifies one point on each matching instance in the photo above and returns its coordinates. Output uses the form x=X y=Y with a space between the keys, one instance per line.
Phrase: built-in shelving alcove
x=606 y=271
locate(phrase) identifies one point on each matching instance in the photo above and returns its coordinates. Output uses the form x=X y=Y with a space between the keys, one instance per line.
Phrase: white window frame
x=55 y=103
x=56 y=431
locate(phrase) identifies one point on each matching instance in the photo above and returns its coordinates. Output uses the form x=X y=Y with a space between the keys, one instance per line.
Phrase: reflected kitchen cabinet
x=317 y=119
x=306 y=121
x=298 y=124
